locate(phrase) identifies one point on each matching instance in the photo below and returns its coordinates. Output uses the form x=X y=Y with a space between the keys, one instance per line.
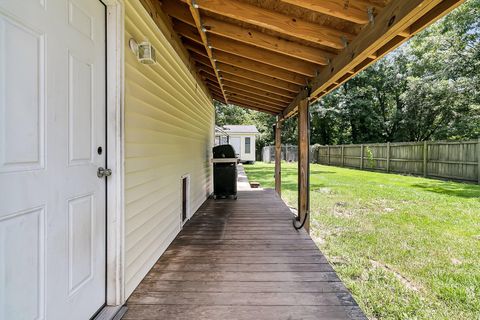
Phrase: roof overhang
x=268 y=55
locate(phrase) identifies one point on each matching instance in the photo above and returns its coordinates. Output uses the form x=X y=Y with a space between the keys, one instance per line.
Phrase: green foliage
x=369 y=157
x=406 y=247
x=428 y=89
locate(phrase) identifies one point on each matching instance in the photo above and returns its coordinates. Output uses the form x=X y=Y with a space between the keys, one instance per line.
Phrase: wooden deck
x=242 y=260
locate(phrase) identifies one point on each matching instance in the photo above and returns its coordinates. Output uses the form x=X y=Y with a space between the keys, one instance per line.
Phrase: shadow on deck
x=242 y=260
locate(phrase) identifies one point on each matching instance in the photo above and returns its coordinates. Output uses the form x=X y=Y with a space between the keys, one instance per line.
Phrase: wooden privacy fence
x=459 y=160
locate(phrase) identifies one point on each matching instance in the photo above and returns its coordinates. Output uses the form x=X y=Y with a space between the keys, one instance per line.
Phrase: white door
x=236 y=143
x=52 y=126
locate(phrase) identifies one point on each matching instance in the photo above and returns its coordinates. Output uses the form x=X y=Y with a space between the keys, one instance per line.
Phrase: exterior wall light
x=144 y=51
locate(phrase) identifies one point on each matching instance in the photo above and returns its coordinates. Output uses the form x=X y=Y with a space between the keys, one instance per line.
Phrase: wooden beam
x=275 y=59
x=198 y=50
x=392 y=20
x=251 y=94
x=253 y=105
x=200 y=58
x=375 y=41
x=255 y=90
x=265 y=41
x=214 y=88
x=218 y=97
x=257 y=85
x=278 y=159
x=196 y=16
x=257 y=77
x=205 y=69
x=303 y=164
x=347 y=10
x=259 y=99
x=260 y=67
x=186 y=31
x=250 y=36
x=207 y=76
x=293 y=106
x=178 y=10
x=276 y=21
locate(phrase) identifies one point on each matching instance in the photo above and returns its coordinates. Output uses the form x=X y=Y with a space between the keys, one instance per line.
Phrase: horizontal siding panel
x=169 y=127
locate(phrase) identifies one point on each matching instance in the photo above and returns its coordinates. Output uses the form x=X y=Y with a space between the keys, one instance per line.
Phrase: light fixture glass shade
x=146 y=53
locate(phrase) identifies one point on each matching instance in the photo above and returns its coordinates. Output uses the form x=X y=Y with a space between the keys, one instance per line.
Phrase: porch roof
x=268 y=55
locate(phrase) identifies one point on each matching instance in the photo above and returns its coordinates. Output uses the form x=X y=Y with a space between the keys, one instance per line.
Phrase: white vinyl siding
x=169 y=127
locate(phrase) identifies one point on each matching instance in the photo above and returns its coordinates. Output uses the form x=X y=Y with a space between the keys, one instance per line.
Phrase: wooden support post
x=425 y=158
x=361 y=156
x=328 y=154
x=303 y=164
x=278 y=159
x=388 y=156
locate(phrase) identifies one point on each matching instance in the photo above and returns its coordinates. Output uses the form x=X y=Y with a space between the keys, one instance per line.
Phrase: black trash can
x=224 y=171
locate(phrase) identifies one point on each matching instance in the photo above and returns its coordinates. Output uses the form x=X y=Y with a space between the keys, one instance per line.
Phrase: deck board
x=242 y=260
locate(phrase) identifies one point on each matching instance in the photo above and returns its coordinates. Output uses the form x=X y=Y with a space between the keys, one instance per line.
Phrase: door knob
x=101 y=172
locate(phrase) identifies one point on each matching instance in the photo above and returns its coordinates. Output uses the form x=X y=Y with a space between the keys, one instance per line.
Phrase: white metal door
x=52 y=126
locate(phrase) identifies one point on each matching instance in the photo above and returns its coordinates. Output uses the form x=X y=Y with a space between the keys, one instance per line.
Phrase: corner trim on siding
x=115 y=279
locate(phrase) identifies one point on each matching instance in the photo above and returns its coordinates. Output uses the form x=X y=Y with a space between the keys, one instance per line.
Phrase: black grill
x=224 y=171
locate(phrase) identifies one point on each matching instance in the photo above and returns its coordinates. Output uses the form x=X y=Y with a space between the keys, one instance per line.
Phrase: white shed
x=242 y=138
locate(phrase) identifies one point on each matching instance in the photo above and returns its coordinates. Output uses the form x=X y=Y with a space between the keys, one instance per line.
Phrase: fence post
x=478 y=160
x=328 y=154
x=343 y=153
x=388 y=156
x=361 y=156
x=425 y=158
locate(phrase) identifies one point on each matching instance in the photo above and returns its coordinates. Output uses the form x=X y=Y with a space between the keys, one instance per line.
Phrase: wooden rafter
x=353 y=11
x=251 y=36
x=276 y=21
x=241 y=49
x=376 y=40
x=262 y=55
x=249 y=98
x=251 y=84
x=268 y=42
x=256 y=105
x=253 y=106
x=186 y=31
x=200 y=59
x=257 y=77
x=251 y=94
x=196 y=16
x=260 y=67
x=274 y=66
x=258 y=91
x=257 y=85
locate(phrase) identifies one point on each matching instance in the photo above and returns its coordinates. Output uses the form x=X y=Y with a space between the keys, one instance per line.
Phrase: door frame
x=115 y=230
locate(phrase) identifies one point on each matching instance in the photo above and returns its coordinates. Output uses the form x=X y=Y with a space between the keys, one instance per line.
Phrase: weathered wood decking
x=242 y=260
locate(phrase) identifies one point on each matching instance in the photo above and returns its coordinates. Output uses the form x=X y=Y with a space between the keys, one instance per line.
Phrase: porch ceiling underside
x=268 y=55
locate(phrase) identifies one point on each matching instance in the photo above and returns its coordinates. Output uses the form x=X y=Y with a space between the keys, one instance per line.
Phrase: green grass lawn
x=406 y=247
